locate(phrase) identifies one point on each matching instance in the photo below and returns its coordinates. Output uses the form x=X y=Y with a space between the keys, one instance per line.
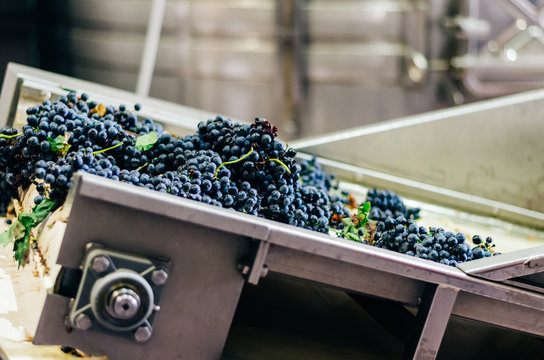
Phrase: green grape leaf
x=353 y=237
x=7 y=236
x=43 y=209
x=19 y=232
x=59 y=145
x=362 y=214
x=356 y=222
x=21 y=249
x=146 y=142
x=27 y=220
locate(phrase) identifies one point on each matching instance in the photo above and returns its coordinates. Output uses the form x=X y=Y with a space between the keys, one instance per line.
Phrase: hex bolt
x=159 y=277
x=100 y=264
x=143 y=333
x=83 y=322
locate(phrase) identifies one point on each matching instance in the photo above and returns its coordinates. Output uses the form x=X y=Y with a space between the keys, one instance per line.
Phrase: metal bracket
x=259 y=268
x=431 y=321
x=118 y=294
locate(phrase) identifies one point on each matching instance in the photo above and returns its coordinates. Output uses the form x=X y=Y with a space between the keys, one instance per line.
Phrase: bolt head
x=245 y=269
x=143 y=333
x=159 y=277
x=83 y=322
x=100 y=264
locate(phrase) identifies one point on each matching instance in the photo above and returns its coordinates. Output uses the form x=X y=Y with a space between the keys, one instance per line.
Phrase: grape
x=242 y=167
x=313 y=174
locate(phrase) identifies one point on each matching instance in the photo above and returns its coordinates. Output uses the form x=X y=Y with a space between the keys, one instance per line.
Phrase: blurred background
x=309 y=66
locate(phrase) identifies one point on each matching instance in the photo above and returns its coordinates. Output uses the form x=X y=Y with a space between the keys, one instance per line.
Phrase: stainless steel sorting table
x=188 y=261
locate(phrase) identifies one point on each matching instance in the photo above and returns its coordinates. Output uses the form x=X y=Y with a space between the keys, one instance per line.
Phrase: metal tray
x=211 y=252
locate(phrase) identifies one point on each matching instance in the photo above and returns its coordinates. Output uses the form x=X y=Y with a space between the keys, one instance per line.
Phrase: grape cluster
x=227 y=164
x=435 y=244
x=253 y=156
x=387 y=204
x=312 y=173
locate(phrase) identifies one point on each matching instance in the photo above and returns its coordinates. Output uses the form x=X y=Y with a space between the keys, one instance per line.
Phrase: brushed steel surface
x=491 y=149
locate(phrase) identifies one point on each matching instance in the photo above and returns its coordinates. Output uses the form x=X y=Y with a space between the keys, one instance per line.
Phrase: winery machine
x=173 y=269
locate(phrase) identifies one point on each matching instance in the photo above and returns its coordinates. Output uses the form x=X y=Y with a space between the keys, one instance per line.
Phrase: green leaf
x=19 y=232
x=347 y=221
x=362 y=214
x=7 y=236
x=27 y=220
x=146 y=142
x=43 y=209
x=353 y=237
x=366 y=207
x=59 y=145
x=21 y=248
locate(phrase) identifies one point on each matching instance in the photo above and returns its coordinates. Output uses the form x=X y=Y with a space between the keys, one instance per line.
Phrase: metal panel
x=479 y=149
x=206 y=244
x=203 y=286
x=21 y=81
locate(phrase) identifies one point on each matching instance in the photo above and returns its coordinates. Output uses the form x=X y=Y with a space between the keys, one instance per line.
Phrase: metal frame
x=205 y=244
x=20 y=79
x=214 y=251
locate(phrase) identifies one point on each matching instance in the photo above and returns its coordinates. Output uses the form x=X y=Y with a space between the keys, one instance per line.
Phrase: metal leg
x=431 y=321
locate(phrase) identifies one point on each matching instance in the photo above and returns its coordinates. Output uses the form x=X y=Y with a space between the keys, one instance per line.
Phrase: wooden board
x=23 y=290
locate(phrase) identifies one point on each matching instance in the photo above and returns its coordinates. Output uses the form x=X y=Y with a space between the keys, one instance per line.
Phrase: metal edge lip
x=350 y=251
x=131 y=196
x=408 y=121
x=398 y=264
x=485 y=265
x=280 y=234
x=161 y=110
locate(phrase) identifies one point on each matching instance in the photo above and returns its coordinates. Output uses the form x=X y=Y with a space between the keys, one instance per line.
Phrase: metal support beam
x=259 y=268
x=431 y=321
x=151 y=47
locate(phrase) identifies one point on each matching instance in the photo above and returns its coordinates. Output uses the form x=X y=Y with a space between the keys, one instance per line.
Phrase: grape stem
x=281 y=163
x=143 y=166
x=10 y=136
x=130 y=132
x=231 y=162
x=110 y=148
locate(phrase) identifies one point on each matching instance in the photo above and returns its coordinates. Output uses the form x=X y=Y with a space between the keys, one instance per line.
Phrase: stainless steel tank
x=309 y=66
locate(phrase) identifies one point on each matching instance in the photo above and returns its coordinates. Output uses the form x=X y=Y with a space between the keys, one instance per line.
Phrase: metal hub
x=124 y=303
x=121 y=300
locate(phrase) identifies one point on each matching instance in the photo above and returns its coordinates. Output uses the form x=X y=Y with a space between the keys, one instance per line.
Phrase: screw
x=159 y=277
x=100 y=264
x=83 y=322
x=143 y=333
x=244 y=269
x=264 y=271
